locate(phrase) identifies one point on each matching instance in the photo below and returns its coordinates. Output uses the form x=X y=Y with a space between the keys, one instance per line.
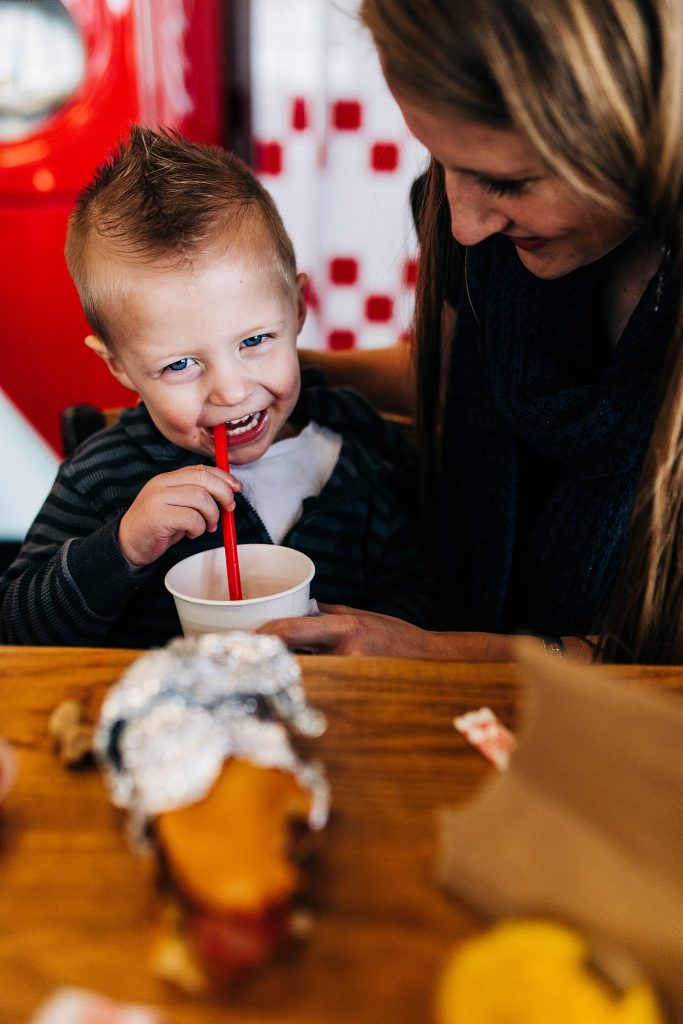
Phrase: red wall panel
x=154 y=60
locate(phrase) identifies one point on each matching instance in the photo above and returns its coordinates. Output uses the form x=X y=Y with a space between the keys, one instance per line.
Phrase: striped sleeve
x=70 y=581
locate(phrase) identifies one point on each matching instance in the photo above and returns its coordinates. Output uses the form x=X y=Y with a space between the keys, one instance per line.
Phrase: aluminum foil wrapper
x=177 y=713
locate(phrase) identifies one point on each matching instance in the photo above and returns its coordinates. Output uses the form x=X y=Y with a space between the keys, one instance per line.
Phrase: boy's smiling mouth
x=245 y=423
x=245 y=429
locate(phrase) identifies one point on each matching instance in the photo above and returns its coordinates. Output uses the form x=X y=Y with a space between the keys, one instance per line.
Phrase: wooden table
x=75 y=903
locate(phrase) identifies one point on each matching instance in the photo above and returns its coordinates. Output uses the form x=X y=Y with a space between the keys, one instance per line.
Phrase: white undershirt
x=291 y=470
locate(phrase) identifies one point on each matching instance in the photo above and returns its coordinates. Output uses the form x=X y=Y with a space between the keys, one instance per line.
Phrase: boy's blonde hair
x=160 y=197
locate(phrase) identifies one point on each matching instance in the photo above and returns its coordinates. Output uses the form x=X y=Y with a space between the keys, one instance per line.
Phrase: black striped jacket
x=70 y=584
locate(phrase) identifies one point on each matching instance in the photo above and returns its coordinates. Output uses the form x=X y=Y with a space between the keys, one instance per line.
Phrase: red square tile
x=384 y=156
x=268 y=157
x=347 y=115
x=300 y=118
x=379 y=308
x=341 y=339
x=343 y=270
x=410 y=273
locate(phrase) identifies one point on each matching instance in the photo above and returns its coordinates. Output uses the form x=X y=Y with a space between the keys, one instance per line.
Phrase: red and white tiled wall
x=331 y=146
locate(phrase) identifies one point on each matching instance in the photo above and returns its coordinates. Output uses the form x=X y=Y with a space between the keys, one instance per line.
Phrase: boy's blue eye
x=180 y=364
x=255 y=340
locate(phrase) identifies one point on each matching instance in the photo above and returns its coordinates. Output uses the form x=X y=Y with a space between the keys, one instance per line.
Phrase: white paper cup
x=276 y=583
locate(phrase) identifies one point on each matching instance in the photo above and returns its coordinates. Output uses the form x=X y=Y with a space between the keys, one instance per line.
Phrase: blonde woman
x=548 y=334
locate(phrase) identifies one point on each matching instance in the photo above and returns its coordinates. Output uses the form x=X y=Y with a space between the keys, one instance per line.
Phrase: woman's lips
x=528 y=244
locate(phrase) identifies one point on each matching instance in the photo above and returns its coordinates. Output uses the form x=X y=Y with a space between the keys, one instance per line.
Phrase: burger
x=196 y=743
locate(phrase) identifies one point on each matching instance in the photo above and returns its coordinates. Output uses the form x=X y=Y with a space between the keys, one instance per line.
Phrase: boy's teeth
x=241 y=425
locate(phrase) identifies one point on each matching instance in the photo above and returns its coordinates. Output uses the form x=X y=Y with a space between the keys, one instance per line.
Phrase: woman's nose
x=474 y=213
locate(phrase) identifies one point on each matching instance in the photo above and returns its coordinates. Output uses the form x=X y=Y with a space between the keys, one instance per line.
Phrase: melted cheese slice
x=228 y=852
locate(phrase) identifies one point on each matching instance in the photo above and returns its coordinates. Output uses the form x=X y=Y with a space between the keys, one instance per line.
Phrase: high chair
x=78 y=422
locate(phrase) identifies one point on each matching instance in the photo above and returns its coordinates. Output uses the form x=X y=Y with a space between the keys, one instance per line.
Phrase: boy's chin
x=243 y=455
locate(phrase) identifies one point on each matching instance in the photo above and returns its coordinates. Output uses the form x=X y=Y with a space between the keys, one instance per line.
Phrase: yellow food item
x=228 y=852
x=530 y=971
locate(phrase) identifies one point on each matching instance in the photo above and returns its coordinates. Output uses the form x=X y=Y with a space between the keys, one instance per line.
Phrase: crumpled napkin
x=587 y=824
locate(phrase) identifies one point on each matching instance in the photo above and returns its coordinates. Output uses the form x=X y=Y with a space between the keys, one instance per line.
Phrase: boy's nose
x=230 y=390
x=474 y=214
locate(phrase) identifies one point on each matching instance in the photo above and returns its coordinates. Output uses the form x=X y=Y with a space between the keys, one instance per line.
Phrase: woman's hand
x=184 y=503
x=343 y=630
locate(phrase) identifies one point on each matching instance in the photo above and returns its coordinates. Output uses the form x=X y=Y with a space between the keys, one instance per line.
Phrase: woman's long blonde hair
x=596 y=86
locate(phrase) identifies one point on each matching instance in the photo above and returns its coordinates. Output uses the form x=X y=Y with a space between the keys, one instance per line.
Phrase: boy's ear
x=97 y=345
x=301 y=282
x=94 y=342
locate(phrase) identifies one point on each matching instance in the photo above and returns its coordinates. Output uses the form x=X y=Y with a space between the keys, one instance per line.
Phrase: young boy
x=188 y=279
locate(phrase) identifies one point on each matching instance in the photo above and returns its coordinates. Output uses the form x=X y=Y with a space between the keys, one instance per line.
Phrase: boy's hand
x=184 y=503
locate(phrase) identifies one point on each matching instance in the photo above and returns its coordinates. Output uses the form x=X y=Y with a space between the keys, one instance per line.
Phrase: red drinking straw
x=220 y=440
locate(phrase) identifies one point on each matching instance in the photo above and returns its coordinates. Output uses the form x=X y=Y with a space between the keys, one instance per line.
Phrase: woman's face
x=496 y=184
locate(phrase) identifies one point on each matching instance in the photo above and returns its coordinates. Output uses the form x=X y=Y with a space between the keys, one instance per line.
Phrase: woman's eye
x=503 y=187
x=180 y=364
x=255 y=340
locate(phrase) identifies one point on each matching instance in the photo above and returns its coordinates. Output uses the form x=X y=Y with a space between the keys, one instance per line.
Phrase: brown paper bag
x=587 y=825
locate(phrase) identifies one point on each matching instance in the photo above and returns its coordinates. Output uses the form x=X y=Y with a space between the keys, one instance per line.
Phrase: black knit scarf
x=544 y=437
